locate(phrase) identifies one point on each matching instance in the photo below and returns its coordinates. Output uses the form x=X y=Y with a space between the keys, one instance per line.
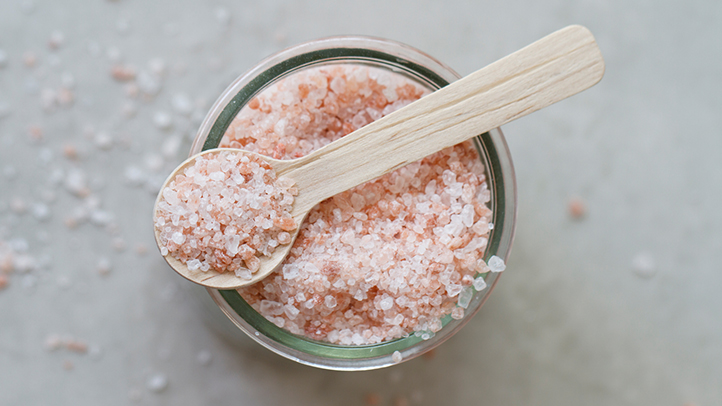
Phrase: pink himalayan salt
x=382 y=260
x=225 y=211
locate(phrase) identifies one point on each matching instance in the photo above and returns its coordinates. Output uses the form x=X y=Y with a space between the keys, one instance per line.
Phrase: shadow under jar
x=385 y=65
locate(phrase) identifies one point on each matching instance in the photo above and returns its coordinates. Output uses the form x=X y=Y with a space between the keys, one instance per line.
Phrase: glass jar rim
x=491 y=146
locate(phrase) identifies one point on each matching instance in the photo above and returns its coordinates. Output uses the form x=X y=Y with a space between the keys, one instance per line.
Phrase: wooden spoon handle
x=545 y=72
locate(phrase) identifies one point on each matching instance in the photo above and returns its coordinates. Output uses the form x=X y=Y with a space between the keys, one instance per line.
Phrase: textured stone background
x=619 y=307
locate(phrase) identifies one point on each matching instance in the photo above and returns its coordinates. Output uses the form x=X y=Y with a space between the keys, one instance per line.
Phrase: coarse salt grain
x=207 y=218
x=388 y=258
x=496 y=264
x=397 y=357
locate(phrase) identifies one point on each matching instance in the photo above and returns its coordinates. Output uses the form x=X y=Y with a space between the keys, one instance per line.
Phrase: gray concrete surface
x=620 y=307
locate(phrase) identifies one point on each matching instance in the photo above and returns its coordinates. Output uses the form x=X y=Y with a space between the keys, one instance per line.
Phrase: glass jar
x=492 y=149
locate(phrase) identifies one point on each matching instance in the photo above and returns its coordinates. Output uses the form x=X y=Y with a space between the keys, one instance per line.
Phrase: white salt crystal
x=193 y=264
x=171 y=146
x=479 y=284
x=291 y=311
x=162 y=120
x=217 y=176
x=157 y=66
x=103 y=140
x=204 y=357
x=178 y=237
x=386 y=303
x=76 y=182
x=271 y=307
x=290 y=272
x=41 y=211
x=103 y=266
x=465 y=296
x=467 y=215
x=223 y=16
x=453 y=289
x=241 y=273
x=496 y=264
x=148 y=84
x=182 y=104
x=397 y=357
x=53 y=342
x=643 y=265
x=330 y=302
x=157 y=382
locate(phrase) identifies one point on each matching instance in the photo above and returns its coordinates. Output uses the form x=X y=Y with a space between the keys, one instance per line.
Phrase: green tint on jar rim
x=492 y=149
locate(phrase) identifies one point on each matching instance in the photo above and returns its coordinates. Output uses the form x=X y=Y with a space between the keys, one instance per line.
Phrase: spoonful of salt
x=261 y=202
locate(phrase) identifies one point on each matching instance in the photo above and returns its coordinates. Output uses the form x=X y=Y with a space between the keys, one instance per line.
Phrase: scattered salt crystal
x=496 y=264
x=103 y=266
x=162 y=120
x=113 y=54
x=467 y=293
x=157 y=382
x=182 y=104
x=17 y=205
x=76 y=182
x=643 y=265
x=577 y=208
x=157 y=66
x=148 y=84
x=53 y=342
x=103 y=140
x=41 y=211
x=397 y=357
x=57 y=39
x=204 y=357
x=223 y=16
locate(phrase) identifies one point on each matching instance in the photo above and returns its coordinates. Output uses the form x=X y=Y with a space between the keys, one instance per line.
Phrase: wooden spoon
x=545 y=72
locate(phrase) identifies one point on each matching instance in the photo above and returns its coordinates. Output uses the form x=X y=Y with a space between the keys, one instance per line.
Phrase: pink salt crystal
x=577 y=208
x=457 y=313
x=383 y=246
x=122 y=73
x=30 y=59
